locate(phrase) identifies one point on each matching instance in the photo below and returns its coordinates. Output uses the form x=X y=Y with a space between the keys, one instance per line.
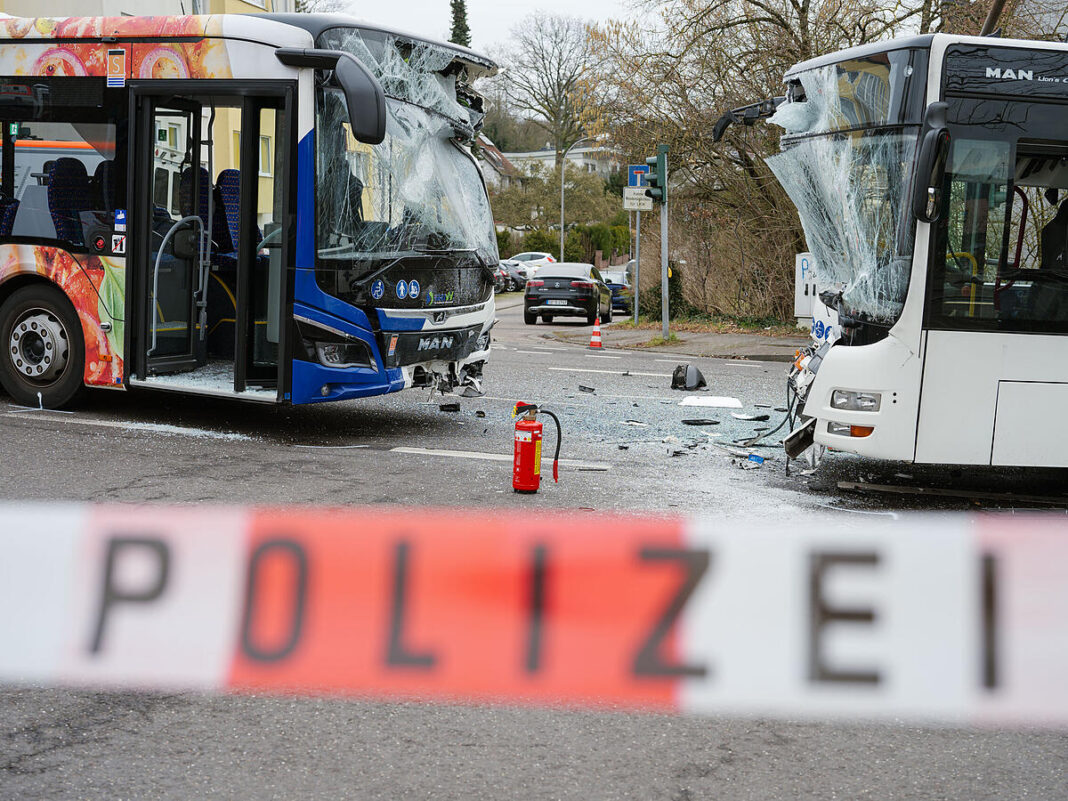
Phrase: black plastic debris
x=781 y=409
x=626 y=372
x=449 y=407
x=687 y=377
x=700 y=421
x=586 y=389
x=624 y=447
x=762 y=405
x=755 y=418
x=634 y=405
x=480 y=413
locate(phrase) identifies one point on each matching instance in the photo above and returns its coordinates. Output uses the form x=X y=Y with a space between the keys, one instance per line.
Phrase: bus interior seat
x=68 y=196
x=46 y=170
x=103 y=186
x=185 y=194
x=229 y=184
x=8 y=207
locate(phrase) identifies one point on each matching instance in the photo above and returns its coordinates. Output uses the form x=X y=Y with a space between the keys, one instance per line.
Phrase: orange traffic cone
x=595 y=338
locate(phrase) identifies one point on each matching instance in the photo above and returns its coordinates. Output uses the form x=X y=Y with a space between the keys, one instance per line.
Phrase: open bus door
x=210 y=208
x=172 y=214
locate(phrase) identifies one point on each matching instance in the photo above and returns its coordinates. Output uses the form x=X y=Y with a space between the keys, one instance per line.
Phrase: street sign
x=636 y=175
x=635 y=199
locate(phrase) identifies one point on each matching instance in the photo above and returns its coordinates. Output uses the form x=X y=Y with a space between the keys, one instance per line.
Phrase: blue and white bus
x=273 y=207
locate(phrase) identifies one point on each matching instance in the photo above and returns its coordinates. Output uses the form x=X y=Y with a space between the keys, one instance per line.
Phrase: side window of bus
x=60 y=177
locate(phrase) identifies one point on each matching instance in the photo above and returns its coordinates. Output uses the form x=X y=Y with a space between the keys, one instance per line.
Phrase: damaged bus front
x=929 y=177
x=404 y=238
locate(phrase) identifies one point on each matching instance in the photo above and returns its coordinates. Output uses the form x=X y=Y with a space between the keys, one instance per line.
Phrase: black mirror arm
x=746 y=115
x=363 y=92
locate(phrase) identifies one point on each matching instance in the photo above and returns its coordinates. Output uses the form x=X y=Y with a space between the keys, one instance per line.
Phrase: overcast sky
x=490 y=20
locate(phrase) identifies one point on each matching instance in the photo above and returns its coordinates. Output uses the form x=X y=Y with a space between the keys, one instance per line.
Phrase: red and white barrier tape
x=952 y=619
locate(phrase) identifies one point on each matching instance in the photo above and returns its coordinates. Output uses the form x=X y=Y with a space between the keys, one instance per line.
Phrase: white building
x=591 y=158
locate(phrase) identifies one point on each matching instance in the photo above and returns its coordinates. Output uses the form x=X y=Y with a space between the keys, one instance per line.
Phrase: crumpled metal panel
x=851 y=191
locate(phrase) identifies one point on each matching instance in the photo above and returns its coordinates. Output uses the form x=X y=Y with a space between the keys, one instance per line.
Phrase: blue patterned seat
x=103 y=185
x=8 y=207
x=68 y=197
x=228 y=214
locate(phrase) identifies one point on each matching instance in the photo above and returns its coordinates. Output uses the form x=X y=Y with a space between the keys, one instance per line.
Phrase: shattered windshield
x=417 y=192
x=846 y=163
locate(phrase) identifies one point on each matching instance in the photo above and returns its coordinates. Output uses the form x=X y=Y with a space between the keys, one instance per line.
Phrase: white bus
x=931 y=178
x=276 y=207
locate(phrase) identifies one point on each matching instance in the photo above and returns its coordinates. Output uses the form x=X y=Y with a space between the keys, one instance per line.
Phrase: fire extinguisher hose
x=556 y=456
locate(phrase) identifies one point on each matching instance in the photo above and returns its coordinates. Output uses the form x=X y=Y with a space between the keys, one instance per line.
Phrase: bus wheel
x=44 y=353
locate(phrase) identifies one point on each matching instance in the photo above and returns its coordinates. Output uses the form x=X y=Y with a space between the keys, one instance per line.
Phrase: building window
x=265 y=156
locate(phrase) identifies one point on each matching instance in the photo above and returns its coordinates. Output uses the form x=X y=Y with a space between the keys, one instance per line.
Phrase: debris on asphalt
x=634 y=405
x=687 y=377
x=759 y=429
x=626 y=372
x=624 y=447
x=755 y=418
x=637 y=423
x=711 y=400
x=586 y=389
x=449 y=407
x=781 y=409
x=670 y=439
x=480 y=413
x=677 y=453
x=700 y=421
x=762 y=405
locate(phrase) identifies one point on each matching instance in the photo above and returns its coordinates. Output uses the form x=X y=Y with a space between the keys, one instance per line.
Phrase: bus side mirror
x=931 y=165
x=365 y=99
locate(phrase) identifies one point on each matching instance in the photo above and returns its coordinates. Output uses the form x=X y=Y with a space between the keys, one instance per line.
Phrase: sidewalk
x=708 y=345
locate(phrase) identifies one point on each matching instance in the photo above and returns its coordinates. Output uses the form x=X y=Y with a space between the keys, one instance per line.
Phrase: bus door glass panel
x=178 y=222
x=267 y=272
x=973 y=230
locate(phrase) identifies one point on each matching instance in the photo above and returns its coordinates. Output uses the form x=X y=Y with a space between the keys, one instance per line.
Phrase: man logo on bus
x=435 y=343
x=1010 y=74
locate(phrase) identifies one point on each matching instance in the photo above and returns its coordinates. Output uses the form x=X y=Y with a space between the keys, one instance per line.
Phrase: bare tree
x=542 y=76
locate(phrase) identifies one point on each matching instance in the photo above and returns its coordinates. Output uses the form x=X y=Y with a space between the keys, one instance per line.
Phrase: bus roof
x=317 y=24
x=925 y=42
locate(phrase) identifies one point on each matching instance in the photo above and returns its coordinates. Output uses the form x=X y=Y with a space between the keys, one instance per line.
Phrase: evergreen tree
x=461 y=34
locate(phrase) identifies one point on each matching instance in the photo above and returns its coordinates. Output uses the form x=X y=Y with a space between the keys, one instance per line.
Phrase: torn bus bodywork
x=404 y=238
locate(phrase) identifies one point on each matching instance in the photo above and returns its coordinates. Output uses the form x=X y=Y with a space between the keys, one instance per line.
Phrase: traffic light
x=656 y=178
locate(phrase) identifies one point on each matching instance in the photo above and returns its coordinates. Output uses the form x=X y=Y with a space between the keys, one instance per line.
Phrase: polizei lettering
x=1010 y=74
x=435 y=343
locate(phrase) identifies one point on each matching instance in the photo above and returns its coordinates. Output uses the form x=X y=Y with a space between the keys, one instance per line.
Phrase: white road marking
x=601 y=356
x=711 y=400
x=496 y=457
x=534 y=352
x=610 y=372
x=152 y=428
x=332 y=447
x=540 y=347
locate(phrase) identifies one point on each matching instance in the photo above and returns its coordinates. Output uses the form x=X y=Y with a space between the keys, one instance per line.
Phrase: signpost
x=635 y=199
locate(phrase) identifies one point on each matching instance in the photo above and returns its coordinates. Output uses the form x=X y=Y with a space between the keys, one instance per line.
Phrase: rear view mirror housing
x=365 y=98
x=364 y=95
x=931 y=165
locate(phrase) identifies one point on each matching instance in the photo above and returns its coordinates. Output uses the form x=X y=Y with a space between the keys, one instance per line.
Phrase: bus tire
x=43 y=347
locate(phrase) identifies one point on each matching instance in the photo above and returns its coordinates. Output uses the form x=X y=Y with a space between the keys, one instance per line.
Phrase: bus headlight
x=343 y=354
x=855 y=401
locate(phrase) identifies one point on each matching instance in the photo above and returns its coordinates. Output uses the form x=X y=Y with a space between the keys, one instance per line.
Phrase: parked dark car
x=567 y=289
x=516 y=275
x=622 y=292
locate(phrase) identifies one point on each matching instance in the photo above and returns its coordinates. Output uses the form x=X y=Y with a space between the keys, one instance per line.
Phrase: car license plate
x=556 y=302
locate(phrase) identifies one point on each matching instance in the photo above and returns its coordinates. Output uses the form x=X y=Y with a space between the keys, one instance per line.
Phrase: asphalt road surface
x=627 y=449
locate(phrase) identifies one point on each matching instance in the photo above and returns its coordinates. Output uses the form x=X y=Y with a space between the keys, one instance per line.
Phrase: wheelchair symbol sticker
x=378 y=289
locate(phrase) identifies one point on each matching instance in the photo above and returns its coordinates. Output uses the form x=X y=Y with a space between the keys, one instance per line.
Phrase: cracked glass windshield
x=846 y=159
x=419 y=192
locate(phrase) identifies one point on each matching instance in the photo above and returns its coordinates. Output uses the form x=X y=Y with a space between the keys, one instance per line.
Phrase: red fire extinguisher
x=526 y=464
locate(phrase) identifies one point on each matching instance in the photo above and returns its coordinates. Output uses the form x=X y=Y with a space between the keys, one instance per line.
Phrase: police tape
x=942 y=619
